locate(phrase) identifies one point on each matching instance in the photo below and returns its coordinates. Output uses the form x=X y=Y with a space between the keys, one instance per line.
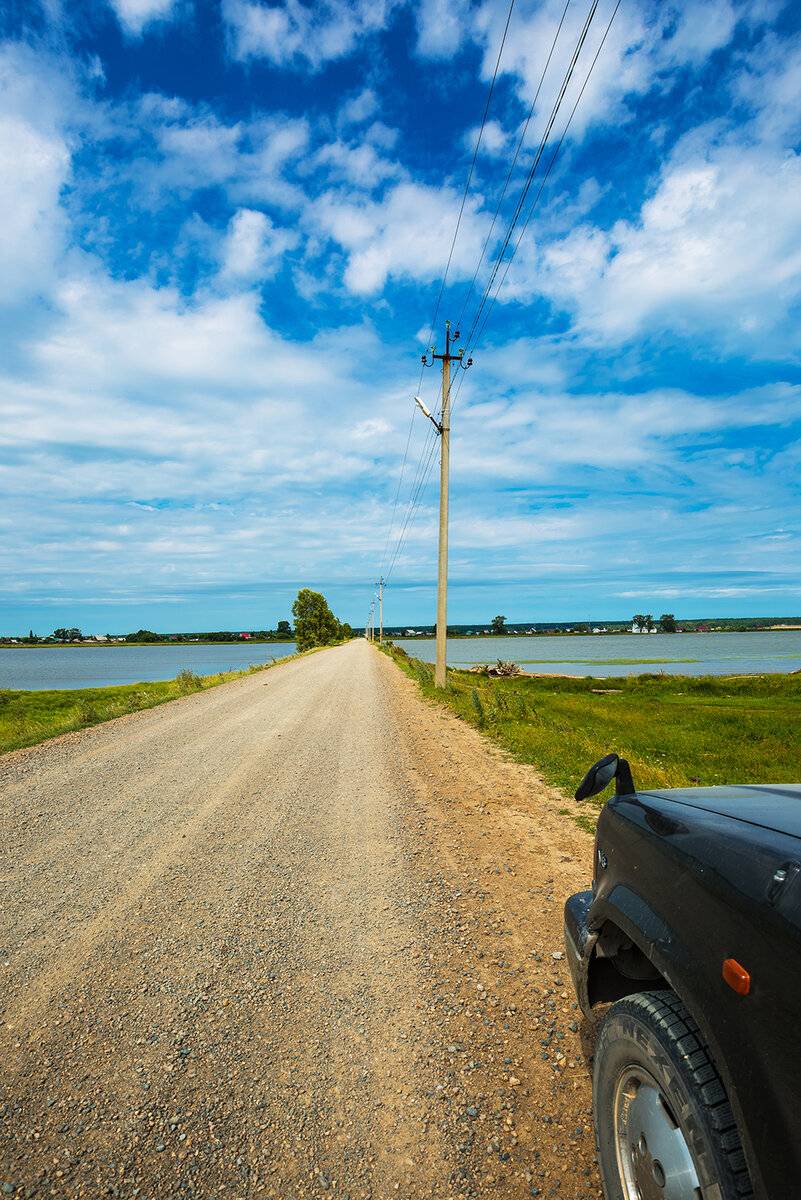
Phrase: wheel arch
x=626 y=918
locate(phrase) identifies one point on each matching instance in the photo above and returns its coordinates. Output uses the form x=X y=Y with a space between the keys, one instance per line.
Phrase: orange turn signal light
x=737 y=977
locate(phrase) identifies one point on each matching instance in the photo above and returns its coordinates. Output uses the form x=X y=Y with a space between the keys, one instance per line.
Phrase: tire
x=664 y=1128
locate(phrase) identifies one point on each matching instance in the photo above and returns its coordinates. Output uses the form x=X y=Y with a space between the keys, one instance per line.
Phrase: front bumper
x=579 y=942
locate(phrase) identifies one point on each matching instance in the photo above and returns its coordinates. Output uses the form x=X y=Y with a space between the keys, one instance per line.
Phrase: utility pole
x=444 y=430
x=380 y=586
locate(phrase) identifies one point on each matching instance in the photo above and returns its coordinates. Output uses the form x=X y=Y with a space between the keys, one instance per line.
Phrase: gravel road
x=299 y=935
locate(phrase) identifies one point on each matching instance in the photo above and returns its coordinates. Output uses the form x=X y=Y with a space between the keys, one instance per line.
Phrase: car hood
x=774 y=806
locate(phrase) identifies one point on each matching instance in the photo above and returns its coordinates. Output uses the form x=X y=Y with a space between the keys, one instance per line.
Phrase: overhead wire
x=467 y=185
x=545 y=176
x=479 y=334
x=398 y=489
x=426 y=464
x=533 y=168
x=512 y=166
x=415 y=488
x=426 y=459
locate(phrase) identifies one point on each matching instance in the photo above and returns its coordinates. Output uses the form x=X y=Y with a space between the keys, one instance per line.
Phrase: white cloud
x=359 y=108
x=494 y=140
x=135 y=15
x=770 y=84
x=253 y=247
x=34 y=166
x=403 y=236
x=293 y=31
x=645 y=43
x=717 y=246
x=358 y=164
x=442 y=26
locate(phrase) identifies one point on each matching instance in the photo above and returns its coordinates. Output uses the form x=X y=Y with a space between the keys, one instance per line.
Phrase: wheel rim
x=653 y=1157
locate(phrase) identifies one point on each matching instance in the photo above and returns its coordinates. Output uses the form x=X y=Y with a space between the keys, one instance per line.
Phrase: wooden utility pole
x=444 y=430
x=380 y=586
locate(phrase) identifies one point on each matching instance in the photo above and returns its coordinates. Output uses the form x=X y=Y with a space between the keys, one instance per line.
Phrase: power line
x=532 y=170
x=442 y=289
x=539 y=192
x=397 y=492
x=426 y=460
x=413 y=505
x=467 y=185
x=547 y=173
x=512 y=167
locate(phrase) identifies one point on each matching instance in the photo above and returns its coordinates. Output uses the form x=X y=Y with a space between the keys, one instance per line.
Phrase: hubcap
x=653 y=1157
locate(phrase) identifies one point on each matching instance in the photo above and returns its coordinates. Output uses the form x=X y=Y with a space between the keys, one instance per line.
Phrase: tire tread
x=666 y=1011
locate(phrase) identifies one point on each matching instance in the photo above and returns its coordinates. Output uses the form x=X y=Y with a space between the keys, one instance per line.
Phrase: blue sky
x=223 y=229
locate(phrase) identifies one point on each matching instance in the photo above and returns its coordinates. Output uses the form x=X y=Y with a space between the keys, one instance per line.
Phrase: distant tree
x=497 y=625
x=284 y=629
x=649 y=622
x=144 y=635
x=668 y=623
x=638 y=620
x=31 y=634
x=60 y=635
x=315 y=624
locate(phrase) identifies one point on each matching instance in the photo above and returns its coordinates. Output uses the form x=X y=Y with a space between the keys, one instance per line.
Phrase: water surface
x=627 y=653
x=37 y=668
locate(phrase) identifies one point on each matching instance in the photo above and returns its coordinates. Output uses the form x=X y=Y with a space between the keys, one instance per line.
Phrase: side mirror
x=600 y=774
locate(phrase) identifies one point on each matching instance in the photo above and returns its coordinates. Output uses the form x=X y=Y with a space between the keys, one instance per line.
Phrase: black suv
x=692 y=931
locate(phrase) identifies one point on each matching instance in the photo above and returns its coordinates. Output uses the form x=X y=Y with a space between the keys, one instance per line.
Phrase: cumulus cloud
x=401 y=236
x=358 y=108
x=144 y=356
x=494 y=140
x=292 y=31
x=253 y=247
x=34 y=167
x=716 y=247
x=360 y=165
x=135 y=15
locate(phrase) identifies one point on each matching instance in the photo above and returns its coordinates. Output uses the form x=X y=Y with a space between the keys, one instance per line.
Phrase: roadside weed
x=675 y=730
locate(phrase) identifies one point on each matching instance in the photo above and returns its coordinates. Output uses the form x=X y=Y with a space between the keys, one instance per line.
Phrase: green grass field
x=676 y=731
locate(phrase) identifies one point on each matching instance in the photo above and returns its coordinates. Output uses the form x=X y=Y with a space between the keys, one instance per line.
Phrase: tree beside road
x=315 y=624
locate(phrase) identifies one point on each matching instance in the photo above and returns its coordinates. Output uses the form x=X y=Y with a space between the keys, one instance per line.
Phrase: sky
x=224 y=228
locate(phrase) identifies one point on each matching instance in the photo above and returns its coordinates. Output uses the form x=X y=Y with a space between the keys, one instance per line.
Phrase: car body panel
x=691 y=886
x=773 y=807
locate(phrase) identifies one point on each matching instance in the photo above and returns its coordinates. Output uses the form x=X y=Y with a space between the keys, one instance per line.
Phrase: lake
x=35 y=669
x=627 y=653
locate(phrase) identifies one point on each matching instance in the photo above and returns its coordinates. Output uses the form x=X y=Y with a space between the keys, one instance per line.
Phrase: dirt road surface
x=296 y=936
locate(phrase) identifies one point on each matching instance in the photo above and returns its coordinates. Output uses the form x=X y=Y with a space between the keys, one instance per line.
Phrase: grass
x=675 y=730
x=30 y=717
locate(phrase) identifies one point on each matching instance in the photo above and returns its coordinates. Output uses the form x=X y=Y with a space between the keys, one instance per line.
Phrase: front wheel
x=664 y=1127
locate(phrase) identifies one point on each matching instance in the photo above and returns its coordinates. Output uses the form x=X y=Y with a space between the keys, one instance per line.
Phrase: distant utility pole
x=380 y=586
x=444 y=430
